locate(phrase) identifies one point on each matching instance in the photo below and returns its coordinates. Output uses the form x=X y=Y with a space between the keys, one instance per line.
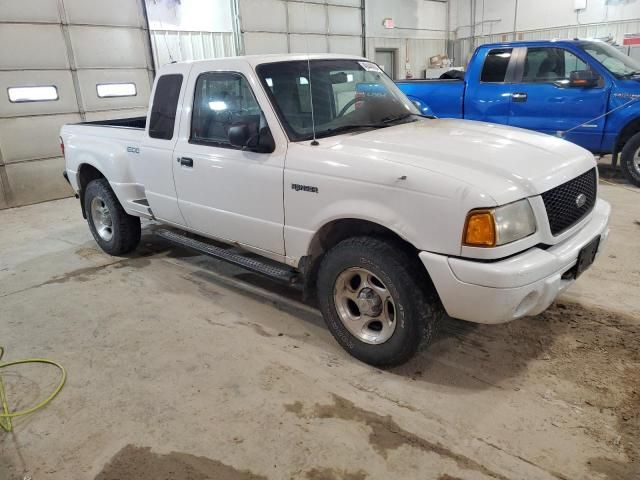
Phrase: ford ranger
x=391 y=219
x=585 y=91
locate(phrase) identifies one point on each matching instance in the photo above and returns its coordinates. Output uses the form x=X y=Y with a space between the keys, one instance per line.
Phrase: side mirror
x=240 y=136
x=583 y=78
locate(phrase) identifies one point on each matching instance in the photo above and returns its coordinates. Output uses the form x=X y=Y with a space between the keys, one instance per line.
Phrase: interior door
x=386 y=60
x=543 y=101
x=223 y=191
x=488 y=98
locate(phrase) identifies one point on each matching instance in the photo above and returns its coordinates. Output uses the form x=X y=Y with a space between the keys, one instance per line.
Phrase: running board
x=267 y=268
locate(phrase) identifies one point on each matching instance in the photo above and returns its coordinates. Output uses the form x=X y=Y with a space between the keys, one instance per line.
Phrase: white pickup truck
x=321 y=166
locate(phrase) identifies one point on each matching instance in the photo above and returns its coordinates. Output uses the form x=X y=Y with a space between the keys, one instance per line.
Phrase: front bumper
x=522 y=285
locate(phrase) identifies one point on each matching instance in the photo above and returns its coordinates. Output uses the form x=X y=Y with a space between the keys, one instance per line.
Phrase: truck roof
x=255 y=60
x=525 y=43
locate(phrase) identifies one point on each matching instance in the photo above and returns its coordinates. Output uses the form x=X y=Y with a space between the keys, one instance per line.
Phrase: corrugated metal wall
x=297 y=26
x=464 y=47
x=179 y=46
x=72 y=45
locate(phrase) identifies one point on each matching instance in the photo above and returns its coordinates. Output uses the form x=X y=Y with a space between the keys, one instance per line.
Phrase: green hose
x=6 y=416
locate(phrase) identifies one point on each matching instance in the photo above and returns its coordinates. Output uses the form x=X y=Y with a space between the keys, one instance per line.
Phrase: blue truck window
x=545 y=64
x=495 y=65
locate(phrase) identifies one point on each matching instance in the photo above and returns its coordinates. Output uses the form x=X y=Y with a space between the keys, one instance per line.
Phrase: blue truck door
x=488 y=96
x=542 y=101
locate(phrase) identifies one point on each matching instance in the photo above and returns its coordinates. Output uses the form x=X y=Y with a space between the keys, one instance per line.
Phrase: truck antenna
x=314 y=142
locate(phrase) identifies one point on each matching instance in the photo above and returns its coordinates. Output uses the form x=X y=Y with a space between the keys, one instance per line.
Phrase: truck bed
x=129 y=122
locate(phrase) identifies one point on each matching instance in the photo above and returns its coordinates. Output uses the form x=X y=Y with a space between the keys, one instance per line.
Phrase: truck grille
x=565 y=204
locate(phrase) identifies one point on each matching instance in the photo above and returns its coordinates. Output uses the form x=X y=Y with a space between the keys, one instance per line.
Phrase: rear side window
x=165 y=104
x=495 y=65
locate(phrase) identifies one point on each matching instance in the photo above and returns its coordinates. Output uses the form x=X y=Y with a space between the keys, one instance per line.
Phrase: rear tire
x=115 y=231
x=377 y=300
x=630 y=160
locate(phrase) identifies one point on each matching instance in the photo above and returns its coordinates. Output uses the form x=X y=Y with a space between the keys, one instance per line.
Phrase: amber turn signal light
x=480 y=229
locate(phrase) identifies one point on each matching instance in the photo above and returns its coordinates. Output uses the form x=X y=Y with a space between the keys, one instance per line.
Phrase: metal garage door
x=296 y=26
x=63 y=61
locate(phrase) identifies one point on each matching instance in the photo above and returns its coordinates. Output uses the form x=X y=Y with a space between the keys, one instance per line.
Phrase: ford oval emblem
x=581 y=200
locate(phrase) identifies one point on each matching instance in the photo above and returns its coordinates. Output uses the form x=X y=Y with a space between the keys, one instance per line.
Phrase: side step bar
x=270 y=269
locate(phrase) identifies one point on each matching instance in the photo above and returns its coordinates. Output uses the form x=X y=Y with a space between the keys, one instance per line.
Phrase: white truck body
x=419 y=180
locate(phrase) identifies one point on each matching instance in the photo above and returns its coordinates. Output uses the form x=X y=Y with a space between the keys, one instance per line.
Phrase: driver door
x=227 y=192
x=543 y=101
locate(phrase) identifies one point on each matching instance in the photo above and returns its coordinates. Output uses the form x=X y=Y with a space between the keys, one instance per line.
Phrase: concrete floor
x=183 y=367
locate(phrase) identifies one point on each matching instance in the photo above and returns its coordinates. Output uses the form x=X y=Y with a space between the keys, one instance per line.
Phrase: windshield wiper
x=630 y=74
x=396 y=118
x=346 y=128
x=403 y=116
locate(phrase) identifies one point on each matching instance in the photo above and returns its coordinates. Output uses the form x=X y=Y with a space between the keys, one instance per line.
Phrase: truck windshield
x=613 y=59
x=347 y=95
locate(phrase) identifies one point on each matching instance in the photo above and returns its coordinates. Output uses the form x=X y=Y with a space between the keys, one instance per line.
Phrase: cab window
x=222 y=99
x=495 y=65
x=547 y=65
x=165 y=104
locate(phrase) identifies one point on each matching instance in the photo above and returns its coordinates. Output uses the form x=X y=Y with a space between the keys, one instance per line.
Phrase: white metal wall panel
x=259 y=43
x=29 y=11
x=108 y=47
x=32 y=46
x=36 y=181
x=345 y=21
x=72 y=45
x=307 y=18
x=101 y=12
x=29 y=138
x=347 y=3
x=3 y=196
x=308 y=43
x=263 y=15
x=62 y=79
x=89 y=79
x=347 y=45
x=300 y=26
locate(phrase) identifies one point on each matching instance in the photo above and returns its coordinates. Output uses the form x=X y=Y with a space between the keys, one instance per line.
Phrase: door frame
x=394 y=59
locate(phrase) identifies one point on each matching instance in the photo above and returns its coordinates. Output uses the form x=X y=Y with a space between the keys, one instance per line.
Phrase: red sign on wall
x=631 y=39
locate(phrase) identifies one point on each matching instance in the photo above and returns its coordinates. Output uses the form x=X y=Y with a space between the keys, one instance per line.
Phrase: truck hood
x=506 y=163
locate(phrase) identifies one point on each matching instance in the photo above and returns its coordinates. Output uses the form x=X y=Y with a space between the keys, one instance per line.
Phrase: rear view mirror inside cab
x=340 y=77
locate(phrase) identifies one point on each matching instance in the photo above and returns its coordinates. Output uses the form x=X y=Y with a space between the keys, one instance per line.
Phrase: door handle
x=186 y=162
x=519 y=97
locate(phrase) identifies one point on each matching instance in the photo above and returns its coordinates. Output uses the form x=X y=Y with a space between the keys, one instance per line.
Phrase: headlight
x=500 y=225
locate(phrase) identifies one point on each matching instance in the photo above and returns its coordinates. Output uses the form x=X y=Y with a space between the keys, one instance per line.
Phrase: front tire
x=630 y=160
x=114 y=230
x=377 y=300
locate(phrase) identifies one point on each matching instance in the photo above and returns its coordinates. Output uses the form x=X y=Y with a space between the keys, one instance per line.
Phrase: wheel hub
x=101 y=217
x=365 y=305
x=369 y=302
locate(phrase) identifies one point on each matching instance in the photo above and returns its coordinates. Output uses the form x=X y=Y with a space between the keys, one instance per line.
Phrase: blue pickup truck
x=585 y=91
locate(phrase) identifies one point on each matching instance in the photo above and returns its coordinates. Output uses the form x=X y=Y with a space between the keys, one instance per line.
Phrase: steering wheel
x=349 y=104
